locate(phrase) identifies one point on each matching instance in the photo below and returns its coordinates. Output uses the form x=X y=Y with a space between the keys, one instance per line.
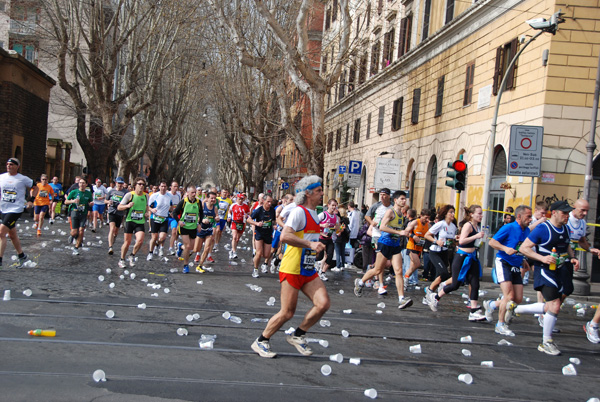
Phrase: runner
x=13 y=186
x=416 y=230
x=262 y=219
x=239 y=213
x=81 y=201
x=41 y=203
x=330 y=223
x=205 y=235
x=160 y=207
x=553 y=275
x=136 y=205
x=276 y=244
x=465 y=264
x=188 y=214
x=255 y=205
x=100 y=193
x=374 y=216
x=388 y=249
x=297 y=272
x=58 y=195
x=115 y=216
x=223 y=205
x=173 y=222
x=507 y=267
x=281 y=219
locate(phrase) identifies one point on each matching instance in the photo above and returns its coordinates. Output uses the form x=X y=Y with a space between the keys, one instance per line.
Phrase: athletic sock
x=549 y=323
x=299 y=332
x=22 y=255
x=262 y=339
x=361 y=283
x=492 y=305
x=535 y=308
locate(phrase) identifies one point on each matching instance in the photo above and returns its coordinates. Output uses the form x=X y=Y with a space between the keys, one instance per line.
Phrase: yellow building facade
x=433 y=69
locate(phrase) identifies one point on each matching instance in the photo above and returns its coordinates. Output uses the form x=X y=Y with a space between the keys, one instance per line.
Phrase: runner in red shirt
x=239 y=212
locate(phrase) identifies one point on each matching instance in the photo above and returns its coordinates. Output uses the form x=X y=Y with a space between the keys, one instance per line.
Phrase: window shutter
x=510 y=80
x=380 y=121
x=401 y=40
x=497 y=71
x=414 y=118
x=440 y=96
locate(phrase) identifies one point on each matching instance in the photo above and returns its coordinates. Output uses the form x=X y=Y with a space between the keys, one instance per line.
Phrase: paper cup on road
x=371 y=393
x=348 y=311
x=326 y=369
x=226 y=315
x=110 y=314
x=415 y=349
x=28 y=292
x=354 y=360
x=575 y=360
x=466 y=378
x=324 y=343
x=99 y=375
x=338 y=357
x=142 y=306
x=569 y=369
x=345 y=333
x=466 y=339
x=466 y=352
x=487 y=363
x=6 y=295
x=182 y=331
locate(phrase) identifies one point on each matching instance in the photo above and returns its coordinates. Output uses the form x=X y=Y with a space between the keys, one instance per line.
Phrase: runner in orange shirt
x=42 y=201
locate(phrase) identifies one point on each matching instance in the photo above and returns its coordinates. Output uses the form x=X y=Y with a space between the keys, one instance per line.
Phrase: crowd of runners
x=292 y=240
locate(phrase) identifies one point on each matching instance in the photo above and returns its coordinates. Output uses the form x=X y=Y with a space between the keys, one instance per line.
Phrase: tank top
x=298 y=260
x=189 y=217
x=209 y=214
x=331 y=220
x=471 y=244
x=389 y=239
x=137 y=211
x=418 y=231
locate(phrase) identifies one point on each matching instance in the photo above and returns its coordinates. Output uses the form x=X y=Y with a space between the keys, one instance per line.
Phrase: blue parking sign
x=355 y=167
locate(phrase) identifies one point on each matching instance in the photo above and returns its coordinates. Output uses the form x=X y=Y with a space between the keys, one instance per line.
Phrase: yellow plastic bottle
x=555 y=255
x=42 y=332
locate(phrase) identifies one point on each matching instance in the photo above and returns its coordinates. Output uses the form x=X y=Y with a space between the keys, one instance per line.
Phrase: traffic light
x=457 y=171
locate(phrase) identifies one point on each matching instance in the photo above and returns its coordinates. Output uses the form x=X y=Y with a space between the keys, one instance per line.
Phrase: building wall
x=557 y=97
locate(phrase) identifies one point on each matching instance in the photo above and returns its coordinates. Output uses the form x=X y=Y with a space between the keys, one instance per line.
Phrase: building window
x=351 y=74
x=388 y=48
x=379 y=6
x=357 y=26
x=347 y=134
x=338 y=138
x=449 y=11
x=362 y=69
x=432 y=182
x=369 y=14
x=368 y=135
x=324 y=64
x=397 y=114
x=414 y=117
x=380 y=121
x=328 y=19
x=404 y=41
x=375 y=53
x=426 y=18
x=330 y=141
x=469 y=83
x=439 y=100
x=356 y=137
x=504 y=55
x=334 y=11
x=342 y=92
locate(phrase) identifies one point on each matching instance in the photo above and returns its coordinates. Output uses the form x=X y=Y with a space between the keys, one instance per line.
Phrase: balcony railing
x=22 y=27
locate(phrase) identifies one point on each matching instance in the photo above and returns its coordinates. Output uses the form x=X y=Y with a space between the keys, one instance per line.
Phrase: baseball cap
x=14 y=160
x=562 y=206
x=242 y=195
x=385 y=190
x=120 y=180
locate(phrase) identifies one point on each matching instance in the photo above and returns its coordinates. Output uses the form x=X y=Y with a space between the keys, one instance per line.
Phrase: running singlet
x=389 y=239
x=298 y=260
x=546 y=236
x=266 y=217
x=444 y=231
x=331 y=220
x=223 y=205
x=418 y=231
x=44 y=195
x=190 y=213
x=209 y=214
x=137 y=211
x=57 y=190
x=511 y=235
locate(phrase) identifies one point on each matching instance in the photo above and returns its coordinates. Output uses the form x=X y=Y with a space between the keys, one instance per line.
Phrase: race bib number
x=267 y=224
x=81 y=208
x=159 y=219
x=137 y=215
x=9 y=196
x=43 y=194
x=116 y=198
x=221 y=213
x=98 y=195
x=190 y=218
x=238 y=226
x=309 y=257
x=420 y=243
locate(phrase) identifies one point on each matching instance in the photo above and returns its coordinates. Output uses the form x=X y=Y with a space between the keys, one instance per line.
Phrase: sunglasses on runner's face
x=140 y=184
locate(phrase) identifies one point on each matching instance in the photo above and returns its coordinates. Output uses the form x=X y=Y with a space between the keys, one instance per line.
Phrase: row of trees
x=156 y=78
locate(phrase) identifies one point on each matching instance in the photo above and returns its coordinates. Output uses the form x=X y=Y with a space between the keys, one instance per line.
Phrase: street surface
x=145 y=360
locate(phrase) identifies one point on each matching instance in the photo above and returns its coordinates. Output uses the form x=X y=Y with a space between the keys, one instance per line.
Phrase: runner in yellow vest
x=136 y=204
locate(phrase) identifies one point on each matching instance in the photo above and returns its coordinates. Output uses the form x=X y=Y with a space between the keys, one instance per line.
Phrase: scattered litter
x=182 y=331
x=466 y=378
x=338 y=357
x=349 y=311
x=324 y=323
x=504 y=342
x=378 y=312
x=341 y=291
x=99 y=375
x=326 y=369
x=415 y=349
x=101 y=278
x=487 y=363
x=569 y=369
x=381 y=305
x=259 y=320
x=371 y=393
x=466 y=353
x=189 y=317
x=575 y=360
x=110 y=314
x=142 y=306
x=345 y=333
x=111 y=285
x=466 y=339
x=207 y=341
x=354 y=360
x=28 y=292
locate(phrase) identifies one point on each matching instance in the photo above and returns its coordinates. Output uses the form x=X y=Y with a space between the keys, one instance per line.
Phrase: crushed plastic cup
x=504 y=342
x=581 y=312
x=371 y=393
x=338 y=357
x=466 y=339
x=226 y=315
x=154 y=295
x=354 y=360
x=259 y=319
x=199 y=282
x=487 y=363
x=101 y=278
x=235 y=320
x=466 y=378
x=348 y=311
x=28 y=292
x=324 y=343
x=111 y=285
x=575 y=360
x=189 y=317
x=415 y=348
x=99 y=375
x=207 y=341
x=108 y=270
x=167 y=290
x=466 y=353
x=142 y=306
x=569 y=369
x=381 y=305
x=233 y=263
x=326 y=369
x=345 y=333
x=132 y=275
x=378 y=312
x=110 y=314
x=272 y=299
x=341 y=291
x=6 y=295
x=196 y=316
x=182 y=331
x=324 y=323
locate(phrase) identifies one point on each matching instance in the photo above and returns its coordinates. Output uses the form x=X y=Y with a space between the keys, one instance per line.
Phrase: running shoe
x=210 y=259
x=263 y=349
x=149 y=258
x=592 y=332
x=406 y=302
x=216 y=248
x=110 y=251
x=264 y=269
x=131 y=261
x=171 y=251
x=300 y=343
x=425 y=302
x=502 y=329
x=200 y=269
x=39 y=232
x=207 y=269
x=272 y=268
x=186 y=269
x=233 y=256
x=489 y=313
x=93 y=230
x=510 y=311
x=75 y=251
x=549 y=347
x=197 y=258
x=35 y=225
x=357 y=288
x=179 y=249
x=323 y=276
x=432 y=301
x=23 y=260
x=476 y=315
x=121 y=263
x=70 y=239
x=161 y=252
x=255 y=273
x=382 y=290
x=51 y=221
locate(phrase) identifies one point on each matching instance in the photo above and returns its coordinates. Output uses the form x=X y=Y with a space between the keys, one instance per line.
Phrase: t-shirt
x=175 y=198
x=511 y=235
x=354 y=218
x=223 y=205
x=285 y=212
x=266 y=217
x=376 y=212
x=162 y=203
x=238 y=212
x=332 y=220
x=57 y=190
x=13 y=190
x=577 y=229
x=115 y=197
x=297 y=260
x=44 y=195
x=85 y=198
x=444 y=231
x=99 y=194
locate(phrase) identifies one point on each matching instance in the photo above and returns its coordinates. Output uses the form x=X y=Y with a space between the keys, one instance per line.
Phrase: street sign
x=387 y=173
x=355 y=167
x=341 y=169
x=525 y=152
x=285 y=185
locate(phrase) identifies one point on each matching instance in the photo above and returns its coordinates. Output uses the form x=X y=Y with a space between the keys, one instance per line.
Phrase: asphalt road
x=145 y=360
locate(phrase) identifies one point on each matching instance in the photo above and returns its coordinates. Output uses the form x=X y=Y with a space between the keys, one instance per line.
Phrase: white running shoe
x=161 y=252
x=122 y=264
x=476 y=315
x=502 y=329
x=592 y=332
x=131 y=261
x=264 y=269
x=263 y=348
x=149 y=258
x=432 y=301
x=255 y=273
x=488 y=311
x=549 y=347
